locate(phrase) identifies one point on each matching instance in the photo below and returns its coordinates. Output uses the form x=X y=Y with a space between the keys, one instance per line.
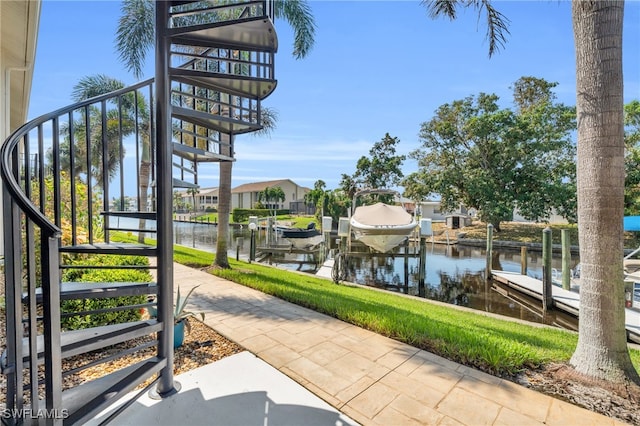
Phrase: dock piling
x=566 y=259
x=547 y=295
x=489 y=250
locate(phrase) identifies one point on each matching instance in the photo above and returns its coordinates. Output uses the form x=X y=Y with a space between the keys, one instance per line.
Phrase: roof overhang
x=19 y=22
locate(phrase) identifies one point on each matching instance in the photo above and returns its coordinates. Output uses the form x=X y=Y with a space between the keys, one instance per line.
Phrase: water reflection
x=454 y=273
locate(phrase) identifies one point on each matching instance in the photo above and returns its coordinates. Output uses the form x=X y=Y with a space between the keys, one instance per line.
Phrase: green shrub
x=74 y=322
x=242 y=215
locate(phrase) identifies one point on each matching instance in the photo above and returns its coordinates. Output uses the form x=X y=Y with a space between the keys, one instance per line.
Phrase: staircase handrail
x=9 y=145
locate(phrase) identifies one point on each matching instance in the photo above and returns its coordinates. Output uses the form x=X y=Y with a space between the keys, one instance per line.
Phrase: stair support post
x=164 y=194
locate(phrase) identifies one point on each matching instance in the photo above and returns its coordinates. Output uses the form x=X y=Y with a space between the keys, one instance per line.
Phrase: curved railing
x=19 y=146
x=60 y=172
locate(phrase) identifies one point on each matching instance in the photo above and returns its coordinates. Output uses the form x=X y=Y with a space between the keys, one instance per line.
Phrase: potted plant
x=181 y=318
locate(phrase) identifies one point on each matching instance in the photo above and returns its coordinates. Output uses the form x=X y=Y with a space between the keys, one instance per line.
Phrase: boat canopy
x=631 y=223
x=382 y=214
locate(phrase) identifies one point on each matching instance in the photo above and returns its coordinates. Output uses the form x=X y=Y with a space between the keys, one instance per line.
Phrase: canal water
x=454 y=273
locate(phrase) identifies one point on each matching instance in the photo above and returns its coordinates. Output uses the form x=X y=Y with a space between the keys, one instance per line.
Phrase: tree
x=317 y=197
x=271 y=195
x=498 y=160
x=135 y=36
x=193 y=192
x=336 y=204
x=602 y=351
x=383 y=167
x=602 y=343
x=132 y=104
x=88 y=87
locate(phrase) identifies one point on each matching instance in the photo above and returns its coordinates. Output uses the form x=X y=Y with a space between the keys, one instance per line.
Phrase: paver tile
x=354 y=389
x=396 y=357
x=560 y=411
x=389 y=416
x=259 y=343
x=415 y=410
x=279 y=355
x=352 y=367
x=516 y=397
x=356 y=332
x=331 y=382
x=436 y=376
x=325 y=352
x=240 y=334
x=410 y=365
x=508 y=417
x=376 y=346
x=469 y=408
x=416 y=390
x=480 y=375
x=432 y=358
x=373 y=400
x=448 y=421
x=290 y=340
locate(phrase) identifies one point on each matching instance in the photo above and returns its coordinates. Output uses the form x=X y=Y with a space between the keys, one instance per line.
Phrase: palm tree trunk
x=143 y=189
x=144 y=176
x=224 y=205
x=602 y=348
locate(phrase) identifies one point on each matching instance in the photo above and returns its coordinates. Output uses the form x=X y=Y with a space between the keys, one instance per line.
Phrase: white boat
x=381 y=226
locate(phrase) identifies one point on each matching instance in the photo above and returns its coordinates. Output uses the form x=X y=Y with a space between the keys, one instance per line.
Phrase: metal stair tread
x=241 y=85
x=84 y=401
x=92 y=290
x=199 y=155
x=177 y=183
x=257 y=33
x=214 y=122
x=112 y=248
x=76 y=342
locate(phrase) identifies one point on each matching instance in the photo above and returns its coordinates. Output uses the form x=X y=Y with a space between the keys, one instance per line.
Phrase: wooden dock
x=563 y=300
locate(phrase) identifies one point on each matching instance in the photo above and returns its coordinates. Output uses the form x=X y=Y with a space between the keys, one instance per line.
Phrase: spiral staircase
x=64 y=178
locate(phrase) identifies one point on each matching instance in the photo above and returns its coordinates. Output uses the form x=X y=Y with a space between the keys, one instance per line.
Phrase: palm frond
x=497 y=27
x=95 y=85
x=135 y=35
x=438 y=8
x=497 y=23
x=269 y=118
x=298 y=14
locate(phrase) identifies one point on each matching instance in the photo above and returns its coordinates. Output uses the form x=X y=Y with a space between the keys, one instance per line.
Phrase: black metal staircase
x=65 y=177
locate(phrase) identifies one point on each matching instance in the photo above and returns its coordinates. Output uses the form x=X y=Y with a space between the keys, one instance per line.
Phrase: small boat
x=381 y=226
x=304 y=239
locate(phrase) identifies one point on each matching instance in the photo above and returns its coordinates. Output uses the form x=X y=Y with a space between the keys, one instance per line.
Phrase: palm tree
x=602 y=351
x=135 y=37
x=602 y=345
x=132 y=104
x=193 y=192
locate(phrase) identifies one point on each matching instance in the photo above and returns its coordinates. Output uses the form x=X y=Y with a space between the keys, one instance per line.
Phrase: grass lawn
x=498 y=346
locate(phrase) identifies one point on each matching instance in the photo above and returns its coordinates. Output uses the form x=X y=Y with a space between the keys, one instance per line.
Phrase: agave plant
x=179 y=312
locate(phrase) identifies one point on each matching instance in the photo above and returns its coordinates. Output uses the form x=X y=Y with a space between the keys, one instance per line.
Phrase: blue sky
x=377 y=67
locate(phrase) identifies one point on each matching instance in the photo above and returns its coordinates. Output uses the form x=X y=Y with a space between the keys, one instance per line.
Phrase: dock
x=325 y=269
x=564 y=301
x=276 y=254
